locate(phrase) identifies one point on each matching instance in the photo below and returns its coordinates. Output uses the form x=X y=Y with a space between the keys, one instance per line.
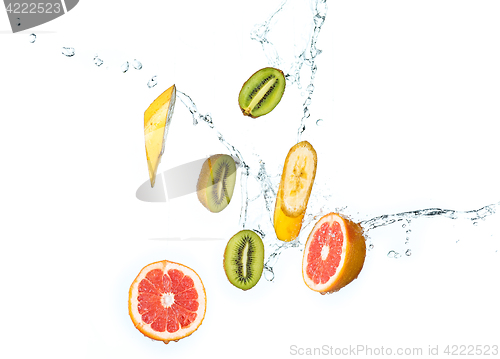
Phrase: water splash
x=137 y=64
x=268 y=193
x=260 y=33
x=393 y=254
x=124 y=67
x=268 y=189
x=68 y=51
x=152 y=82
x=245 y=172
x=472 y=215
x=272 y=259
x=306 y=55
x=320 y=10
x=98 y=61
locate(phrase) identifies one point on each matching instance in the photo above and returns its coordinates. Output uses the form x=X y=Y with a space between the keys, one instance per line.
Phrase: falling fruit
x=262 y=92
x=167 y=301
x=295 y=188
x=244 y=259
x=156 y=123
x=334 y=254
x=216 y=182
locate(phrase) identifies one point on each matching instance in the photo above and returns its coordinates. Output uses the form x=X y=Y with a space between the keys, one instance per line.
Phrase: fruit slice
x=244 y=259
x=286 y=228
x=295 y=188
x=334 y=254
x=262 y=92
x=156 y=123
x=215 y=185
x=167 y=301
x=297 y=178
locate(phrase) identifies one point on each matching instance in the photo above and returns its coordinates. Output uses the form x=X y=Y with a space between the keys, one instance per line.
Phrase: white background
x=409 y=94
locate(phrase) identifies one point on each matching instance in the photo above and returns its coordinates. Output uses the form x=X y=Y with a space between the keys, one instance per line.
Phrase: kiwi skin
x=232 y=262
x=204 y=186
x=269 y=100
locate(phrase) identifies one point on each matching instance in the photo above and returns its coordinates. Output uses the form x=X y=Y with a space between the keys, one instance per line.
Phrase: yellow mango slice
x=157 y=119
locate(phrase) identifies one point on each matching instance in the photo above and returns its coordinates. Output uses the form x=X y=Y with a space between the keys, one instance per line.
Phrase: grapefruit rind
x=352 y=258
x=165 y=336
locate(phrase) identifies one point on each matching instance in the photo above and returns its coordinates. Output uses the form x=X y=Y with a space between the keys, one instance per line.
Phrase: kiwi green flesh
x=244 y=259
x=262 y=92
x=220 y=186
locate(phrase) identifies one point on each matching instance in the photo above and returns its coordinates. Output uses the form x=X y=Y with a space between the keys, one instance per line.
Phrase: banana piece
x=286 y=228
x=297 y=179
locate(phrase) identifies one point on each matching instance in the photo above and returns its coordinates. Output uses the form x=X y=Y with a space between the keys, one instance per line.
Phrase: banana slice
x=156 y=123
x=297 y=179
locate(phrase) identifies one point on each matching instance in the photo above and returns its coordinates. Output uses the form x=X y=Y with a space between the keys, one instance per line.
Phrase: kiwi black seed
x=216 y=182
x=244 y=259
x=262 y=92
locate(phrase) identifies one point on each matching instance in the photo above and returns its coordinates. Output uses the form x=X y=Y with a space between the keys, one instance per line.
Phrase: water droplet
x=97 y=60
x=68 y=51
x=137 y=64
x=152 y=82
x=319 y=122
x=370 y=246
x=32 y=38
x=124 y=67
x=306 y=113
x=391 y=254
x=269 y=275
x=457 y=240
x=404 y=225
x=18 y=22
x=408 y=252
x=474 y=223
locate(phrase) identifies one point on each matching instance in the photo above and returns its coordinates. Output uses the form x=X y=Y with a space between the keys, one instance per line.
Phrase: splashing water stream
x=472 y=215
x=268 y=189
x=268 y=185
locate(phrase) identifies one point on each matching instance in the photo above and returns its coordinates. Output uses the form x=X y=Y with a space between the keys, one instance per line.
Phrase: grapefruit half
x=334 y=254
x=167 y=301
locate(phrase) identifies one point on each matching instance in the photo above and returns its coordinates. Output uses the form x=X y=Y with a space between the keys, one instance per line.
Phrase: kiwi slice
x=262 y=92
x=244 y=259
x=215 y=185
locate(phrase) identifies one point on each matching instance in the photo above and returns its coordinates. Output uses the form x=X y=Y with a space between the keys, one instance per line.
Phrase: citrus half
x=334 y=254
x=167 y=301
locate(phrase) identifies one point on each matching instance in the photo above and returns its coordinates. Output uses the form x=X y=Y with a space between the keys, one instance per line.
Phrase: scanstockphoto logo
x=28 y=14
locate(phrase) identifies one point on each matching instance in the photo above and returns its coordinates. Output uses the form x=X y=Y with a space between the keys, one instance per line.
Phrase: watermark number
x=34 y=8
